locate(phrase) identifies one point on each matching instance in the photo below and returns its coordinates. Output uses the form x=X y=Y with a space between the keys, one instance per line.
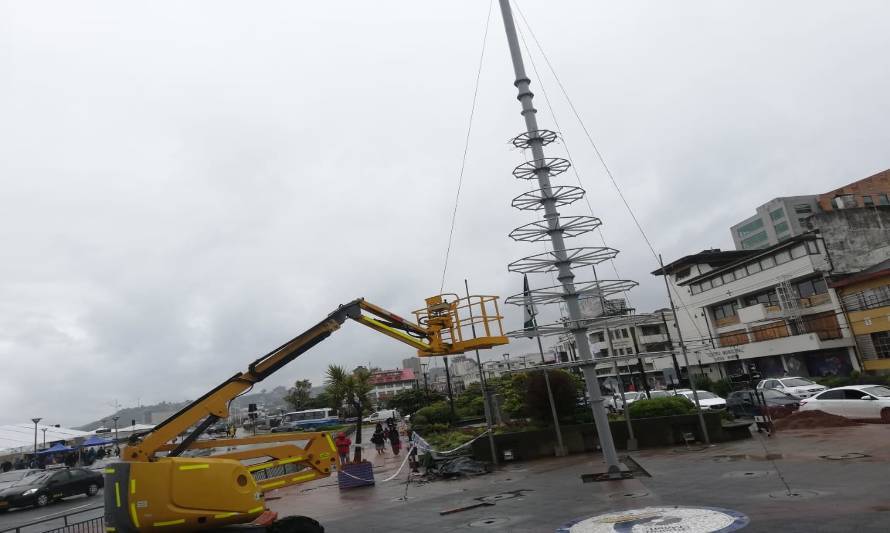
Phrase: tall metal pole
x=35 y=420
x=701 y=419
x=667 y=331
x=485 y=398
x=448 y=384
x=565 y=276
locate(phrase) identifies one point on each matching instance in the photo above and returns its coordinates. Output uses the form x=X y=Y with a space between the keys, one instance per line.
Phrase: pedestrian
x=412 y=453
x=379 y=439
x=342 y=442
x=395 y=441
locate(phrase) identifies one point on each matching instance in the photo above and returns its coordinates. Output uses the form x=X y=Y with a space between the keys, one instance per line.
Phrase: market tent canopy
x=56 y=448
x=95 y=440
x=20 y=437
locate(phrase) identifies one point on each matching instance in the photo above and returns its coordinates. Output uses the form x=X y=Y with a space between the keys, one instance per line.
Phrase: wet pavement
x=815 y=480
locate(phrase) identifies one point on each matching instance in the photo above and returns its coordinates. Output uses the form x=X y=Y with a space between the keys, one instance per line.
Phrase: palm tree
x=353 y=390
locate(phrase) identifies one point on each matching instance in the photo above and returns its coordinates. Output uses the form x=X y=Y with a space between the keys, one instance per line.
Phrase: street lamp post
x=117 y=448
x=44 y=436
x=507 y=359
x=35 y=420
x=426 y=385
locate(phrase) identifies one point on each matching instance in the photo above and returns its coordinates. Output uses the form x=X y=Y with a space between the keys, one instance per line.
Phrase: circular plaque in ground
x=843 y=456
x=675 y=519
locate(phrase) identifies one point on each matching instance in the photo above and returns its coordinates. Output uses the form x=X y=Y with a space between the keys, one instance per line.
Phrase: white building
x=387 y=383
x=770 y=308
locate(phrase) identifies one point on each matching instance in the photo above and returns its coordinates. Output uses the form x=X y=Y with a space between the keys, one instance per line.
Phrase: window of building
x=750 y=228
x=867 y=201
x=883 y=199
x=778 y=214
x=767 y=298
x=803 y=209
x=629 y=351
x=726 y=310
x=650 y=329
x=881 y=340
x=813 y=247
x=706 y=284
x=619 y=351
x=734 y=338
x=682 y=274
x=825 y=325
x=597 y=336
x=803 y=222
x=781 y=227
x=753 y=268
x=783 y=257
x=728 y=277
x=695 y=288
x=811 y=287
x=740 y=273
x=767 y=262
x=798 y=251
x=755 y=241
x=717 y=282
x=844 y=201
x=623 y=333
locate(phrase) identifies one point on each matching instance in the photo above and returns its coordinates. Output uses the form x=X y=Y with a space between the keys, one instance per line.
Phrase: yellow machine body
x=156 y=488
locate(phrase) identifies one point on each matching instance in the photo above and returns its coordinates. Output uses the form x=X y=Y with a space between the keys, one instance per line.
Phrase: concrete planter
x=352 y=475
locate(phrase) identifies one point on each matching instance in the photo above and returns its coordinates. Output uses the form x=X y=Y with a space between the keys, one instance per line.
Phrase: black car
x=13 y=476
x=40 y=489
x=747 y=403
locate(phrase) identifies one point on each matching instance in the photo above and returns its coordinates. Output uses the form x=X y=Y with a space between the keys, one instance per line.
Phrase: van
x=381 y=416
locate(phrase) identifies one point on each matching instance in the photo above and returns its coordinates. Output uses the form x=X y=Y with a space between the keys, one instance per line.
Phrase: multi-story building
x=867 y=192
x=389 y=382
x=774 y=221
x=866 y=300
x=496 y=368
x=770 y=307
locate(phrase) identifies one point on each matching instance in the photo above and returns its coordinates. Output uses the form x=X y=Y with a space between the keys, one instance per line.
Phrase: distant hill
x=270 y=400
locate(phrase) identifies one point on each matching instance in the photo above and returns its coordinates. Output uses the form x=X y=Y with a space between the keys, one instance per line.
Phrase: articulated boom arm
x=440 y=334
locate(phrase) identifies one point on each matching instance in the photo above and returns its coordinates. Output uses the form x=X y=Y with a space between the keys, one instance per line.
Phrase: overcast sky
x=186 y=185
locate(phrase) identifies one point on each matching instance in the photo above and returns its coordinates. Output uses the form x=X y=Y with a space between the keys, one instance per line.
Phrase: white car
x=795 y=386
x=381 y=416
x=707 y=400
x=869 y=402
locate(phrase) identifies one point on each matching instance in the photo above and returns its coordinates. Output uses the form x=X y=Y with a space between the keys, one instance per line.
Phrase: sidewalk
x=845 y=493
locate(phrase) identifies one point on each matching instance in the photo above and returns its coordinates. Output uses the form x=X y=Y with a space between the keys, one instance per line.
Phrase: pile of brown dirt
x=812 y=420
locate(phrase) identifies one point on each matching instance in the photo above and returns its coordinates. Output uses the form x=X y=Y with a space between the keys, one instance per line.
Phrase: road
x=18 y=517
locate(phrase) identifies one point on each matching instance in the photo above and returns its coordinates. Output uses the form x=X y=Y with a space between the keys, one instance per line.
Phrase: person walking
x=342 y=442
x=395 y=441
x=379 y=439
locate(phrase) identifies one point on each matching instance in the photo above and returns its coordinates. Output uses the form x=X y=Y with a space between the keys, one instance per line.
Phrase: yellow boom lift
x=156 y=488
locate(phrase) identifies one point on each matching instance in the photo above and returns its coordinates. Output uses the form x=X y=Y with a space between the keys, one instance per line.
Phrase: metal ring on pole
x=540 y=230
x=549 y=262
x=534 y=200
x=556 y=294
x=553 y=165
x=525 y=140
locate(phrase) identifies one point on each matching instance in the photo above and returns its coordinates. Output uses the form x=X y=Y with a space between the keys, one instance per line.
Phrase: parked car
x=381 y=416
x=707 y=400
x=868 y=402
x=41 y=489
x=8 y=478
x=745 y=403
x=795 y=386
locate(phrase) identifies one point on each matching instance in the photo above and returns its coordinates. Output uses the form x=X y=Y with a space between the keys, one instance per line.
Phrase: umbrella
x=56 y=448
x=95 y=440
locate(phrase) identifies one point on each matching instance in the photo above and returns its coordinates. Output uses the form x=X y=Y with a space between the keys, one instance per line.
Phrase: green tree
x=565 y=395
x=410 y=401
x=354 y=390
x=298 y=396
x=470 y=402
x=322 y=400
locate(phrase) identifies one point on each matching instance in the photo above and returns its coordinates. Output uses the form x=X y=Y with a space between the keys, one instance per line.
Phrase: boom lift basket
x=462 y=324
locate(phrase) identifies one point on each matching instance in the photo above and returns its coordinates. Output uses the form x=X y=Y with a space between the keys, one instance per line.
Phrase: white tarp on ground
x=20 y=437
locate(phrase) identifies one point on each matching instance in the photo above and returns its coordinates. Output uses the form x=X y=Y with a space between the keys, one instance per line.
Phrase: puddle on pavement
x=492 y=522
x=748 y=474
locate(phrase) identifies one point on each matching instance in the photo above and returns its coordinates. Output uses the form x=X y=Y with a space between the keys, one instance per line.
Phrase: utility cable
x=463 y=162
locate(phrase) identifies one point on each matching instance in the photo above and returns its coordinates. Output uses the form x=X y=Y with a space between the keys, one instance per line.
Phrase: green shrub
x=672 y=405
x=450 y=439
x=438 y=413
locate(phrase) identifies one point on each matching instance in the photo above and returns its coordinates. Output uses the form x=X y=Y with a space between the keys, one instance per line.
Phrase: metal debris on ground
x=456 y=467
x=465 y=508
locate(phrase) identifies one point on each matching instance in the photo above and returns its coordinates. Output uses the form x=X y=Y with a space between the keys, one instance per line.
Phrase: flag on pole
x=528 y=309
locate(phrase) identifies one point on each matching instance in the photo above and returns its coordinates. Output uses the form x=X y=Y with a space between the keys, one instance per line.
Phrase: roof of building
x=392 y=376
x=713 y=257
x=875 y=271
x=21 y=436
